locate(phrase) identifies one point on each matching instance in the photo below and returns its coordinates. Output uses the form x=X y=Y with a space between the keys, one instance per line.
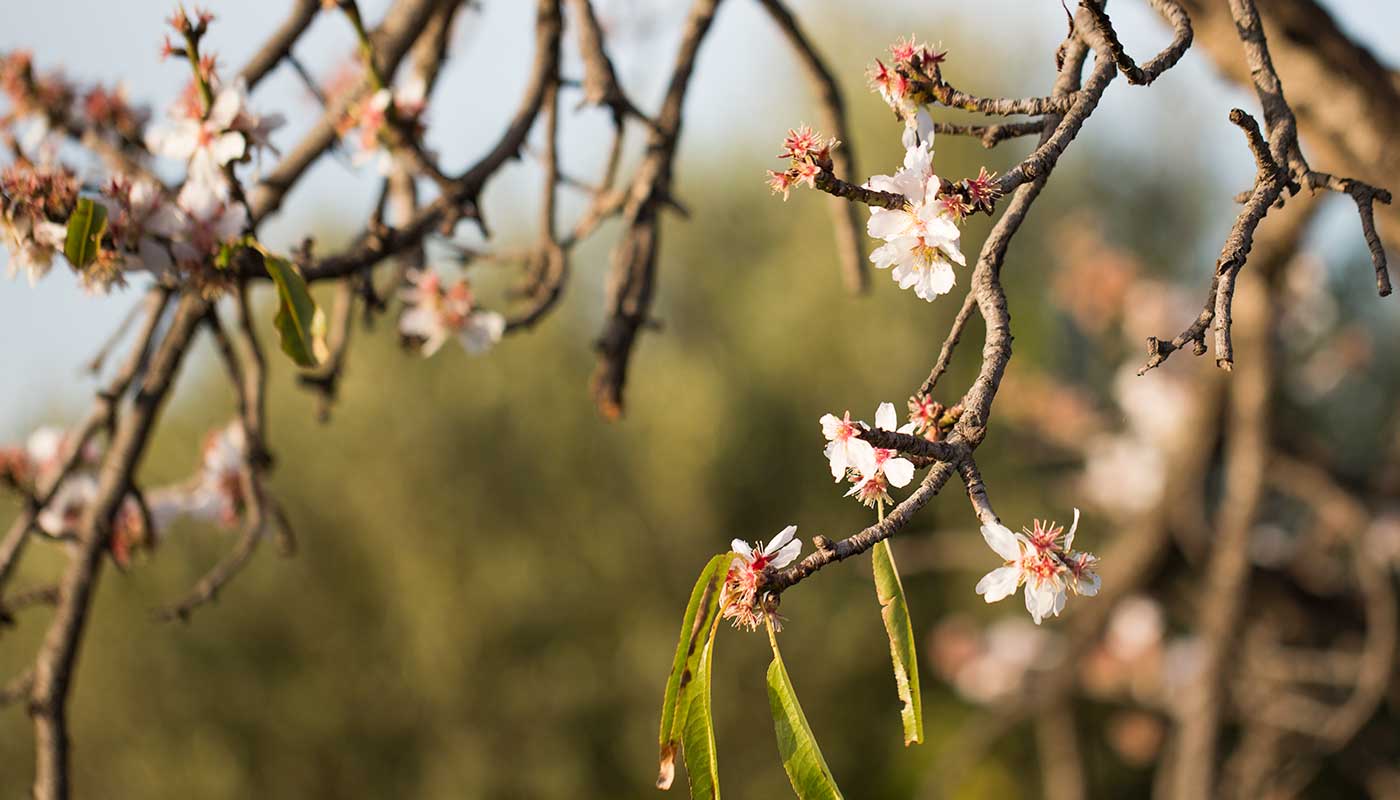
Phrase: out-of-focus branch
x=1227 y=575
x=405 y=21
x=101 y=416
x=279 y=45
x=57 y=656
x=631 y=280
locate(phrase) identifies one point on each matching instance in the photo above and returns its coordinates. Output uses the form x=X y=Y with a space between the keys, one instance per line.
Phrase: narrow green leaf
x=86 y=225
x=296 y=311
x=802 y=759
x=698 y=735
x=700 y=615
x=895 y=612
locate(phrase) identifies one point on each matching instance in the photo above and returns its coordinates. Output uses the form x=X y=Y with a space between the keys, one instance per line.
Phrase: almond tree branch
x=103 y=412
x=279 y=45
x=631 y=280
x=57 y=656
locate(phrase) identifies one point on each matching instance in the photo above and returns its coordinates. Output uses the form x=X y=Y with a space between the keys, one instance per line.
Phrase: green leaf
x=895 y=612
x=698 y=734
x=802 y=759
x=296 y=311
x=699 y=620
x=86 y=226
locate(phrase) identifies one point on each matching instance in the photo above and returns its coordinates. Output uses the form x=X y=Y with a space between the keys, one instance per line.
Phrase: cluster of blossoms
x=433 y=313
x=808 y=155
x=31 y=198
x=215 y=494
x=374 y=119
x=145 y=229
x=921 y=239
x=909 y=60
x=1039 y=558
x=742 y=582
x=871 y=470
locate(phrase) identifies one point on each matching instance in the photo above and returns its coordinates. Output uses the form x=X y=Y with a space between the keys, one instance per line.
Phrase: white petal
x=831 y=425
x=886 y=255
x=862 y=458
x=777 y=542
x=885 y=418
x=899 y=471
x=836 y=455
x=886 y=224
x=787 y=554
x=226 y=108
x=228 y=147
x=1002 y=541
x=742 y=548
x=1069 y=537
x=999 y=584
x=1033 y=604
x=940 y=279
x=1089 y=586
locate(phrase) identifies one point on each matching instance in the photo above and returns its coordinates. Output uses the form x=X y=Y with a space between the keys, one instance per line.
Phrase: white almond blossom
x=406 y=103
x=218 y=493
x=921 y=238
x=745 y=575
x=434 y=314
x=1043 y=563
x=780 y=551
x=137 y=213
x=208 y=218
x=845 y=448
x=210 y=141
x=65 y=510
x=880 y=468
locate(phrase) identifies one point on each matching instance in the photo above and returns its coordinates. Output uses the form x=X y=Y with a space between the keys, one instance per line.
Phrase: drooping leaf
x=698 y=734
x=296 y=311
x=802 y=760
x=86 y=225
x=895 y=612
x=698 y=622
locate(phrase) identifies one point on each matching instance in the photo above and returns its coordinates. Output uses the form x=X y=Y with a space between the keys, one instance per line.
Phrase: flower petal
x=1002 y=541
x=777 y=542
x=742 y=548
x=999 y=584
x=885 y=418
x=787 y=554
x=899 y=471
